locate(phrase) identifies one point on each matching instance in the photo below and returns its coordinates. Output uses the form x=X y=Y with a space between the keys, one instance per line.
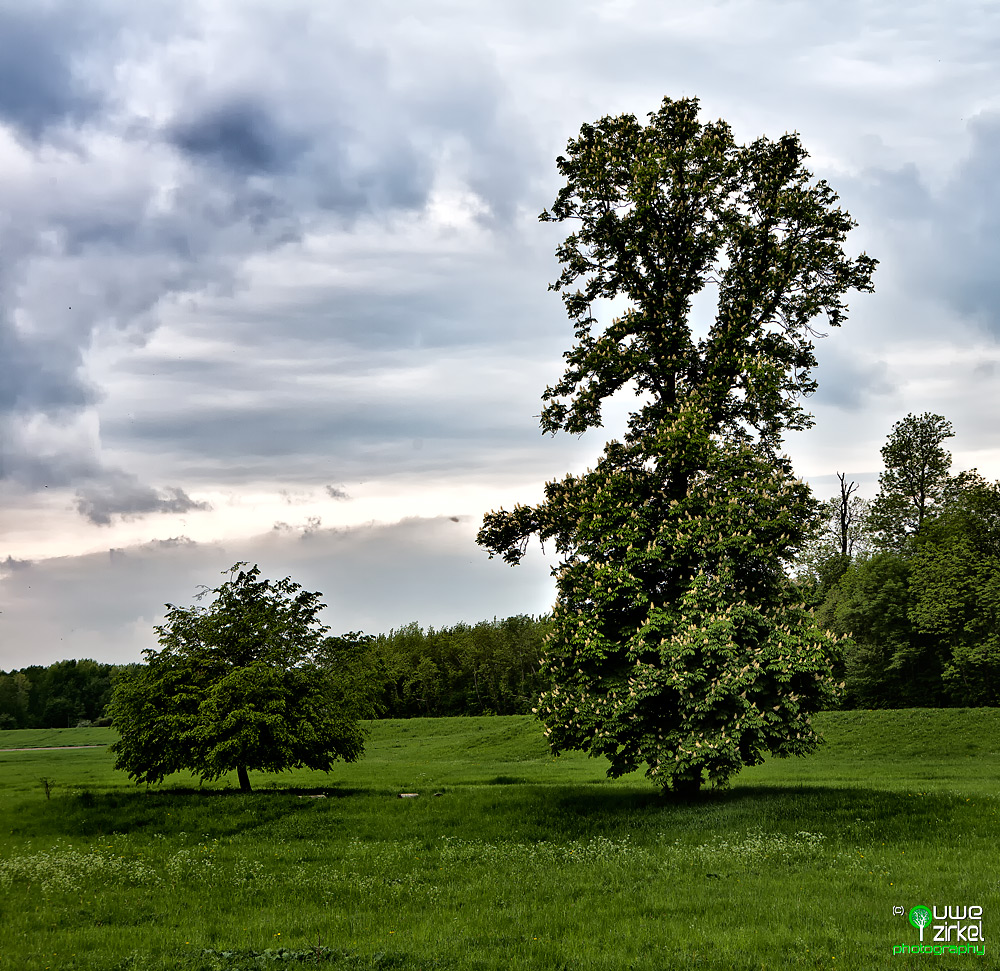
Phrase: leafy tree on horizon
x=678 y=640
x=235 y=687
x=490 y=667
x=913 y=485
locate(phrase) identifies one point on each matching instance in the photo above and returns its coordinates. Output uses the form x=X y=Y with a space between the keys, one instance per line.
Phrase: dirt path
x=49 y=748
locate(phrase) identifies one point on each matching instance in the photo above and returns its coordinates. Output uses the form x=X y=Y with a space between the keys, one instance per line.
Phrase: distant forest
x=490 y=668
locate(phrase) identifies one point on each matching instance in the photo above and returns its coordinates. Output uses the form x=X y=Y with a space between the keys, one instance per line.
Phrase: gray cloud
x=45 y=455
x=300 y=242
x=944 y=242
x=900 y=194
x=41 y=374
x=848 y=379
x=967 y=225
x=41 y=83
x=104 y=239
x=311 y=526
x=239 y=134
x=124 y=496
x=171 y=543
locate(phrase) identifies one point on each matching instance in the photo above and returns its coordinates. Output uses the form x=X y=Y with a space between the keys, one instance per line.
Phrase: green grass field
x=508 y=859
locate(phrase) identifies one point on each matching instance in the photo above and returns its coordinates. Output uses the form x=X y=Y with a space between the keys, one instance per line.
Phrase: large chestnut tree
x=679 y=642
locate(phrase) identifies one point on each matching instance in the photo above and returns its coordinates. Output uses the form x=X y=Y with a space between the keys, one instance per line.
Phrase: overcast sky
x=273 y=287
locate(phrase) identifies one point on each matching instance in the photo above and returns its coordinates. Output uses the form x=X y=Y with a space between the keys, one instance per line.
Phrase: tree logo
x=920 y=916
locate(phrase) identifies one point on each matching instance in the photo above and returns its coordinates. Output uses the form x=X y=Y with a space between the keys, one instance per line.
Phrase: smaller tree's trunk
x=241 y=772
x=687 y=785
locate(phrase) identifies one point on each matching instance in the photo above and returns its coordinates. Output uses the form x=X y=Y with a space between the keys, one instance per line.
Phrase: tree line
x=487 y=668
x=912 y=578
x=60 y=695
x=490 y=668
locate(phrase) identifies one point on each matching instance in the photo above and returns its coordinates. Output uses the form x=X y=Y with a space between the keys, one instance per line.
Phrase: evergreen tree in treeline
x=920 y=600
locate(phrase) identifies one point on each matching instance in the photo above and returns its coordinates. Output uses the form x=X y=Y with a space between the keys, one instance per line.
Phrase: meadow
x=508 y=858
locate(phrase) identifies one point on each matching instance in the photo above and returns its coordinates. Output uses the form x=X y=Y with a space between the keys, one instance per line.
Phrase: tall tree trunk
x=241 y=772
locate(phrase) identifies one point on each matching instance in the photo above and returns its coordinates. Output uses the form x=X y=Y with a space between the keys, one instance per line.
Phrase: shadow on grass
x=212 y=812
x=848 y=810
x=503 y=809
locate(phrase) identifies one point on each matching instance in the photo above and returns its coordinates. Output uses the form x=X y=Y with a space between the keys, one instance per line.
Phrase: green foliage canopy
x=488 y=668
x=61 y=695
x=678 y=641
x=236 y=686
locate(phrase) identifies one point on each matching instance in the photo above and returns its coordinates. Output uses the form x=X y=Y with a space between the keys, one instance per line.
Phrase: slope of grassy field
x=49 y=737
x=508 y=858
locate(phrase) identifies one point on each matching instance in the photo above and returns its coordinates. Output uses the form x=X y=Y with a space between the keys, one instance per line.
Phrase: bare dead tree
x=848 y=513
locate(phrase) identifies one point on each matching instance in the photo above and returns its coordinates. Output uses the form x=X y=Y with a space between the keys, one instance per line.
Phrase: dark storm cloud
x=900 y=194
x=28 y=464
x=94 y=259
x=239 y=134
x=335 y=492
x=967 y=227
x=363 y=428
x=498 y=153
x=401 y=179
x=40 y=84
x=153 y=202
x=126 y=497
x=227 y=446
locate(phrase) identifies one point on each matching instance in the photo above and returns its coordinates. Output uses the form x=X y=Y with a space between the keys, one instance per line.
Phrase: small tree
x=678 y=640
x=913 y=484
x=236 y=687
